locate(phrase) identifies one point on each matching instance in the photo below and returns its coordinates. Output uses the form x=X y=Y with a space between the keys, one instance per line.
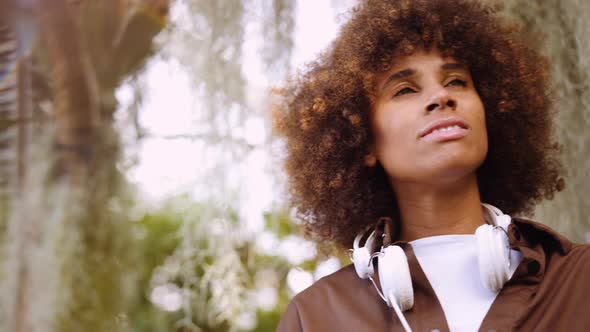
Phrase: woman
x=420 y=113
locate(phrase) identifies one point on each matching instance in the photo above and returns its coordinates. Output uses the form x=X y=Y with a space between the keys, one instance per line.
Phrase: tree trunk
x=77 y=114
x=76 y=118
x=565 y=26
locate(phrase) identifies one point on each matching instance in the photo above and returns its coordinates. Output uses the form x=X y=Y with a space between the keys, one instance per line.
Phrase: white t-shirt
x=450 y=264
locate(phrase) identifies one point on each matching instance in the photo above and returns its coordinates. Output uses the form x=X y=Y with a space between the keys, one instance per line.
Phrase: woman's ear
x=370 y=160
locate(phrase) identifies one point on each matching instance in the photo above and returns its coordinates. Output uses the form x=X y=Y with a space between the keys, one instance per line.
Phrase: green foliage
x=97 y=251
x=158 y=237
x=163 y=236
x=280 y=224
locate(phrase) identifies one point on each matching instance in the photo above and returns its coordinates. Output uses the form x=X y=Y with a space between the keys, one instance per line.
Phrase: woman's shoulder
x=581 y=251
x=531 y=233
x=558 y=250
x=325 y=298
x=335 y=284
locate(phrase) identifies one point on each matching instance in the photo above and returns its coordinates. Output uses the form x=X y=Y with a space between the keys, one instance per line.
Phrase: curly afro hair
x=323 y=114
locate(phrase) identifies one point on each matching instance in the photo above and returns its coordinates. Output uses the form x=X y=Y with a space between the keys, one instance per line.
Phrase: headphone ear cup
x=362 y=262
x=361 y=256
x=395 y=279
x=492 y=256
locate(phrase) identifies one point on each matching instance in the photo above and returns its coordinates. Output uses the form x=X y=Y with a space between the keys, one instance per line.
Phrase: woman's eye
x=404 y=91
x=458 y=82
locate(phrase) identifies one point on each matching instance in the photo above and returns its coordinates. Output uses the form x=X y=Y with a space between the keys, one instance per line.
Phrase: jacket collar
x=536 y=242
x=524 y=232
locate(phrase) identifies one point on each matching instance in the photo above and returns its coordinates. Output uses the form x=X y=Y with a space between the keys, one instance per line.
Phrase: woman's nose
x=441 y=100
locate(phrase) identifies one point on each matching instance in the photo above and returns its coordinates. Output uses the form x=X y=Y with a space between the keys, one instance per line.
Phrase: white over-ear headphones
x=361 y=256
x=493 y=249
x=394 y=272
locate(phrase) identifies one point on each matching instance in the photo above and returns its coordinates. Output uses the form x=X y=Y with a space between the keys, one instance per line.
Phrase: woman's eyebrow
x=398 y=75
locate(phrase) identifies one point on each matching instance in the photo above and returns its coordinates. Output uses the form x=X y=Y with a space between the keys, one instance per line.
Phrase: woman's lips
x=450 y=128
x=453 y=133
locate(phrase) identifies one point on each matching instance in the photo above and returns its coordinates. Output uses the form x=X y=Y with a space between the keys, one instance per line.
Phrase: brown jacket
x=548 y=292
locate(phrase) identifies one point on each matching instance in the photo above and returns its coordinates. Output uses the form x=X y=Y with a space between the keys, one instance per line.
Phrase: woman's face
x=428 y=121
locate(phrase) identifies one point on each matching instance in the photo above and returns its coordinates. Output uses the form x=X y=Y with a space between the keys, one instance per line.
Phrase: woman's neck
x=439 y=209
